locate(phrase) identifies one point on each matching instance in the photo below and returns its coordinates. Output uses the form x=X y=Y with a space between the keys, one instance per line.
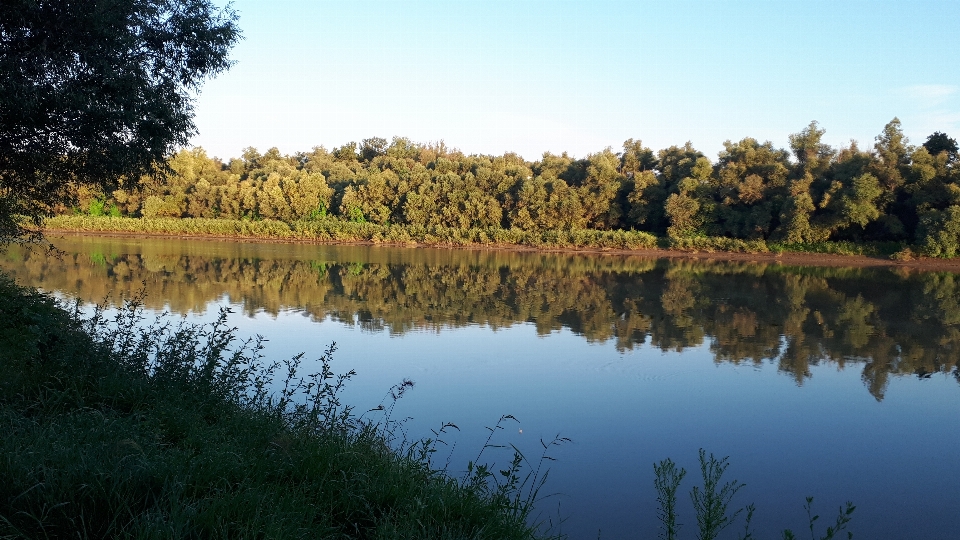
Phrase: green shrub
x=718 y=243
x=939 y=232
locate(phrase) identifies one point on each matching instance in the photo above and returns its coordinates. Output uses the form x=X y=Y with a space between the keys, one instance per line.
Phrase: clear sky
x=530 y=76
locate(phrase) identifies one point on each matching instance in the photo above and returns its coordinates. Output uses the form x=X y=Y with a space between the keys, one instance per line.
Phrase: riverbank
x=631 y=243
x=115 y=431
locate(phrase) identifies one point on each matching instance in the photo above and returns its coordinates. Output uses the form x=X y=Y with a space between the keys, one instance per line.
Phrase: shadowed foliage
x=95 y=92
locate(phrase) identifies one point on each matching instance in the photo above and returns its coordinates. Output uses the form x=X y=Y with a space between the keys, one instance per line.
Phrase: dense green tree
x=545 y=202
x=850 y=199
x=636 y=158
x=751 y=183
x=689 y=208
x=682 y=208
x=93 y=93
x=813 y=158
x=650 y=190
x=563 y=167
x=403 y=148
x=858 y=201
x=546 y=197
x=931 y=187
x=753 y=192
x=642 y=193
x=372 y=148
x=939 y=232
x=374 y=195
x=599 y=189
x=467 y=204
x=676 y=163
x=347 y=152
x=645 y=201
x=893 y=156
x=939 y=142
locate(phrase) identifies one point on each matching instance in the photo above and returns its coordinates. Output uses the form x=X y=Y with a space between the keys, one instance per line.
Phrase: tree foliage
x=754 y=191
x=939 y=142
x=96 y=91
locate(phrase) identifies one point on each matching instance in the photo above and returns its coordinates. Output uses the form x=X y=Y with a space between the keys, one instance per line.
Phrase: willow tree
x=813 y=159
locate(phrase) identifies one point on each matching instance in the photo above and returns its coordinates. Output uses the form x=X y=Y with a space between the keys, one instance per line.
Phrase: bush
x=939 y=232
x=718 y=243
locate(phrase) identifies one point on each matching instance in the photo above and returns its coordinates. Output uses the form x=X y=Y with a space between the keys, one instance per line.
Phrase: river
x=840 y=383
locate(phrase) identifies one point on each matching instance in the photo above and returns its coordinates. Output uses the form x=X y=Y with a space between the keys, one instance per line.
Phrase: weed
x=667 y=480
x=515 y=495
x=712 y=503
x=120 y=427
x=843 y=519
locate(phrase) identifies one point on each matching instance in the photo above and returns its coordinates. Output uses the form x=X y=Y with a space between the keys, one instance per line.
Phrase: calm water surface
x=839 y=383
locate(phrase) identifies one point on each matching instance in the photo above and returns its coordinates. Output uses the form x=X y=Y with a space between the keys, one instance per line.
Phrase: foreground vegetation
x=173 y=432
x=115 y=432
x=754 y=197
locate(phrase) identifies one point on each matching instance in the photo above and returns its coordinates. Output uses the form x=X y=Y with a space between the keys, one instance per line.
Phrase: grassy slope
x=112 y=432
x=171 y=433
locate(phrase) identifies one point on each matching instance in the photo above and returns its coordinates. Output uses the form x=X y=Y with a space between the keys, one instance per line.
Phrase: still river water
x=839 y=383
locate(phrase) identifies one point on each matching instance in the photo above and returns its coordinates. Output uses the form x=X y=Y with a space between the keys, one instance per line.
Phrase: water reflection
x=887 y=321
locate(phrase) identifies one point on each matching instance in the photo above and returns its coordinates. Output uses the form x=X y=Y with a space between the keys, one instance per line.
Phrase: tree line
x=890 y=322
x=894 y=192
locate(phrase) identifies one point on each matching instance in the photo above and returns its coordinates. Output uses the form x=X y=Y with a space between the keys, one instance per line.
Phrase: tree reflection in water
x=888 y=321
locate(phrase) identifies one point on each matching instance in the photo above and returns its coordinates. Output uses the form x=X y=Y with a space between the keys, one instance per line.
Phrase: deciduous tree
x=94 y=91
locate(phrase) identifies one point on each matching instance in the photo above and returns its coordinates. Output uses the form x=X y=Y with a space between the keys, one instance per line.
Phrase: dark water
x=839 y=383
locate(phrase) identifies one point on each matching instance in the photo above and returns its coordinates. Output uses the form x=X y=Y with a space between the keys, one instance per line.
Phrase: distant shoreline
x=786 y=257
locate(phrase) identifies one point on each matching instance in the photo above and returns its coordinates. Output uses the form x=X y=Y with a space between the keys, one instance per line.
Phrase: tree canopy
x=940 y=142
x=807 y=193
x=93 y=91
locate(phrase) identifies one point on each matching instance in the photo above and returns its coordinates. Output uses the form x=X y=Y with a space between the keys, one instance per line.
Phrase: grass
x=888 y=250
x=332 y=229
x=114 y=431
x=716 y=243
x=117 y=428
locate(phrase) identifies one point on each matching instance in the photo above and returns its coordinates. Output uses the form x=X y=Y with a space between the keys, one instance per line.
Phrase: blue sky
x=533 y=76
